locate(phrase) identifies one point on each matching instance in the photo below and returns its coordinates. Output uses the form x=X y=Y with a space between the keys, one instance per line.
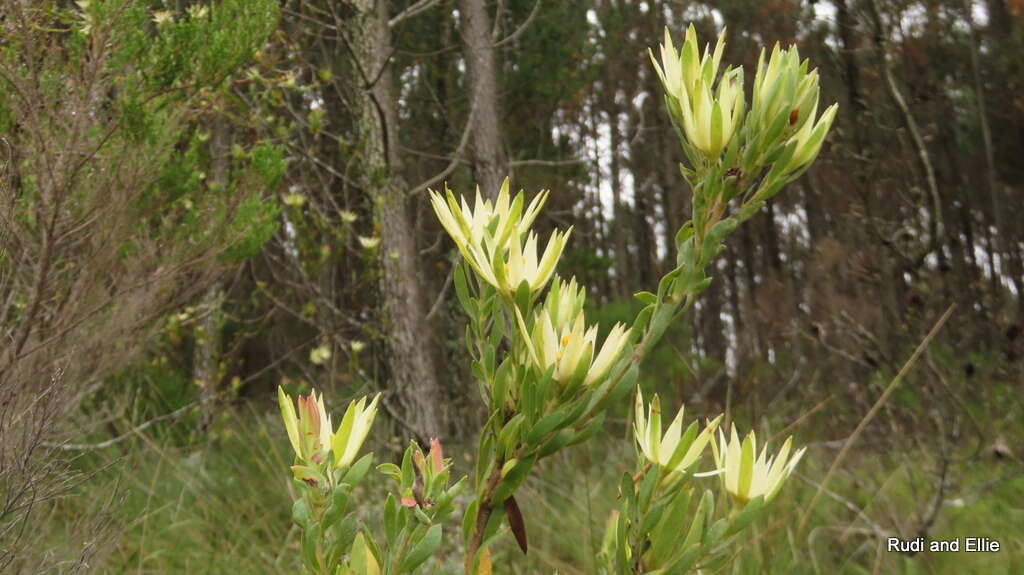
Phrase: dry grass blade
x=872 y=412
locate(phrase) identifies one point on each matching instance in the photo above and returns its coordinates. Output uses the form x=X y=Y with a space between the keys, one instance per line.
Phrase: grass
x=224 y=506
x=219 y=508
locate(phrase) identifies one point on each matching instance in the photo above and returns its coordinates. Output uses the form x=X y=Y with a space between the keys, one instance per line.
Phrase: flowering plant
x=547 y=378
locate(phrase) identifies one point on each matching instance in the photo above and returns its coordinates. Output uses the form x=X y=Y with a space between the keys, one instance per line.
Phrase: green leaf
x=696 y=533
x=665 y=540
x=509 y=434
x=647 y=488
x=588 y=431
x=715 y=532
x=391 y=470
x=421 y=516
x=522 y=296
x=650 y=519
x=561 y=439
x=408 y=475
x=358 y=470
x=391 y=519
x=310 y=539
x=685 y=561
x=646 y=297
x=546 y=424
x=300 y=513
x=503 y=378
x=745 y=517
x=462 y=289
x=345 y=532
x=640 y=323
x=512 y=480
x=469 y=521
x=361 y=558
x=339 y=501
x=684 y=234
x=426 y=547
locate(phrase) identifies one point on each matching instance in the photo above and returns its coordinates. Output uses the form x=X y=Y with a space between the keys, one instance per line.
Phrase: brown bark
x=413 y=374
x=490 y=163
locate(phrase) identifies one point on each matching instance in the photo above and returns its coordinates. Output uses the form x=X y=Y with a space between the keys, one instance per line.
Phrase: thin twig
x=133 y=431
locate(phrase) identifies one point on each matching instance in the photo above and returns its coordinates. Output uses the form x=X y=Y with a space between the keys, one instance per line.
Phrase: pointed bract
x=669 y=450
x=750 y=474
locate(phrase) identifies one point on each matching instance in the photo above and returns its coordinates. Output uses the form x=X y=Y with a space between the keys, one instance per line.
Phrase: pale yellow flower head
x=570 y=347
x=709 y=117
x=320 y=354
x=162 y=17
x=749 y=474
x=352 y=431
x=488 y=225
x=198 y=12
x=674 y=450
x=311 y=434
x=369 y=242
x=522 y=264
x=309 y=428
x=495 y=238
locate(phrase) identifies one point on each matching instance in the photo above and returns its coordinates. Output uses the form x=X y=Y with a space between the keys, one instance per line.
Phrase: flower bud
x=309 y=430
x=784 y=109
x=807 y=142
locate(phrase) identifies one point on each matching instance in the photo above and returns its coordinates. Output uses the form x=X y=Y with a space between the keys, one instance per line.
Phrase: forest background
x=247 y=208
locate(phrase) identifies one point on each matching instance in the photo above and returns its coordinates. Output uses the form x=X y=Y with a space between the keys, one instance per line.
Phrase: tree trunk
x=622 y=222
x=490 y=164
x=206 y=370
x=417 y=393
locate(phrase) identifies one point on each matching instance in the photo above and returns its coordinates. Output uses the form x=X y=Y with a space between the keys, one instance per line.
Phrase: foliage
x=109 y=218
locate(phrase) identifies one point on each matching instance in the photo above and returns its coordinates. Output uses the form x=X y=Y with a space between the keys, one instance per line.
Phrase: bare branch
x=415 y=9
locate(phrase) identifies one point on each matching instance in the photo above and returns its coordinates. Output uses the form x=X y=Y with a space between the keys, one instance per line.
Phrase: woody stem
x=483 y=515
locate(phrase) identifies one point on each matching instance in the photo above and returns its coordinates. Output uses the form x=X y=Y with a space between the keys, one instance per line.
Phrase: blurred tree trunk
x=851 y=70
x=712 y=327
x=744 y=337
x=644 y=118
x=490 y=163
x=414 y=382
x=622 y=223
x=674 y=194
x=748 y=255
x=601 y=242
x=206 y=369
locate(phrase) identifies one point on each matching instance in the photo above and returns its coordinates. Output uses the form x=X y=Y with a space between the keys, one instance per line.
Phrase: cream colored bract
x=749 y=474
